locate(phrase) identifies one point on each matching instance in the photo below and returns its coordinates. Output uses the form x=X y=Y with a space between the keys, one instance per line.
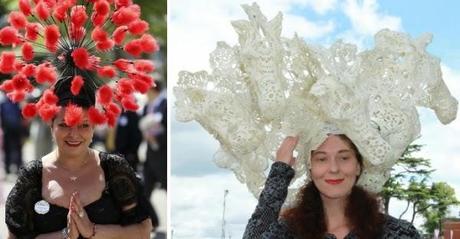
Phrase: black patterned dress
x=122 y=188
x=265 y=222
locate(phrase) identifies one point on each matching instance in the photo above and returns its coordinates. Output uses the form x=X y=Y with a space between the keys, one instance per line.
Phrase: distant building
x=451 y=228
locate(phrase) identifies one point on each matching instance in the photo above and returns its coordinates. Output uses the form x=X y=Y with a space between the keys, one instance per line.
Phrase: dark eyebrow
x=315 y=152
x=345 y=151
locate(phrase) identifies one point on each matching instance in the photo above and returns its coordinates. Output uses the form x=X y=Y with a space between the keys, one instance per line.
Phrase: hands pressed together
x=285 y=152
x=78 y=222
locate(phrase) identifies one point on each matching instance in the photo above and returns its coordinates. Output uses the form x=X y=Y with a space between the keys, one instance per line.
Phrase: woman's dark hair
x=307 y=219
x=85 y=98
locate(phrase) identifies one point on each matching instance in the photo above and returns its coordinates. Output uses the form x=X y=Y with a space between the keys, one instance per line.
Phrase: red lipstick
x=334 y=181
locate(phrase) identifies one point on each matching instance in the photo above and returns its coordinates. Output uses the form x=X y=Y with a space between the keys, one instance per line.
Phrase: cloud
x=305 y=28
x=365 y=18
x=196 y=26
x=322 y=6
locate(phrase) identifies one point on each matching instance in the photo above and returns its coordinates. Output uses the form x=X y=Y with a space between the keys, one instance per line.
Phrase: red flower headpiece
x=66 y=46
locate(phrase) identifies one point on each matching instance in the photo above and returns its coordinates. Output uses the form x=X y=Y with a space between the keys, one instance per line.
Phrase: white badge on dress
x=42 y=207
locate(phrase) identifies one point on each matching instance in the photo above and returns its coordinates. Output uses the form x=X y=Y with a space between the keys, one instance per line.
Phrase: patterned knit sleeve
x=126 y=188
x=19 y=208
x=264 y=221
x=395 y=228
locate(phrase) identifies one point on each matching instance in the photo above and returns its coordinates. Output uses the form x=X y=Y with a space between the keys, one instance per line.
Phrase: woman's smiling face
x=334 y=167
x=75 y=140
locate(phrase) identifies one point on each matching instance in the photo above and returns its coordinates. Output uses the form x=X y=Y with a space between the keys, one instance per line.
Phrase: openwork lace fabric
x=268 y=87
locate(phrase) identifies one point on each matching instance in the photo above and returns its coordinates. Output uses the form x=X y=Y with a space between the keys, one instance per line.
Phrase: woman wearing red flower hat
x=76 y=191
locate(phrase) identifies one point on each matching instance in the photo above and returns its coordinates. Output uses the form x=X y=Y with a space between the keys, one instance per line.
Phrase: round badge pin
x=42 y=207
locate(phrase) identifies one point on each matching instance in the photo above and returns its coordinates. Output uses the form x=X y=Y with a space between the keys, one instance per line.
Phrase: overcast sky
x=197 y=184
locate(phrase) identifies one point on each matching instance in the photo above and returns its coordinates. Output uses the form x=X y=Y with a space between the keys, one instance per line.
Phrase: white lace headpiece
x=268 y=87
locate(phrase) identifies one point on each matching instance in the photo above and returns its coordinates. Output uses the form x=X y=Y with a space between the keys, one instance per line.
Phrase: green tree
x=418 y=193
x=407 y=169
x=442 y=196
x=410 y=182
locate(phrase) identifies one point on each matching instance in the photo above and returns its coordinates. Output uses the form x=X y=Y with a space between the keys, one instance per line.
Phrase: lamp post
x=223 y=214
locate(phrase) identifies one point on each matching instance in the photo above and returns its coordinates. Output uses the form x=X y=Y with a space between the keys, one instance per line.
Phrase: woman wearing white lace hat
x=330 y=206
x=354 y=114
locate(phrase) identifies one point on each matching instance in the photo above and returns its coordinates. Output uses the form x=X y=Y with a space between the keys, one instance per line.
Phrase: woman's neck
x=334 y=212
x=72 y=162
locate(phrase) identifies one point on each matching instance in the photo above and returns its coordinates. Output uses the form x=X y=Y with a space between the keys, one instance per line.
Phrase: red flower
x=125 y=15
x=60 y=12
x=138 y=27
x=29 y=110
x=104 y=95
x=101 y=7
x=119 y=34
x=125 y=86
x=48 y=111
x=123 y=65
x=42 y=10
x=7 y=60
x=18 y=65
x=49 y=97
x=8 y=36
x=76 y=84
x=95 y=116
x=113 y=109
x=129 y=103
x=73 y=115
x=78 y=15
x=7 y=86
x=17 y=20
x=98 y=19
x=28 y=70
x=45 y=73
x=25 y=8
x=21 y=83
x=107 y=71
x=111 y=119
x=99 y=34
x=16 y=96
x=143 y=77
x=52 y=36
x=149 y=44
x=134 y=47
x=80 y=57
x=123 y=3
x=27 y=51
x=32 y=31
x=144 y=65
x=141 y=86
x=105 y=45
x=49 y=3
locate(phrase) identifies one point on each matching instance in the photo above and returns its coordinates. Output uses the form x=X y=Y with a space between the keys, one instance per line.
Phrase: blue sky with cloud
x=197 y=184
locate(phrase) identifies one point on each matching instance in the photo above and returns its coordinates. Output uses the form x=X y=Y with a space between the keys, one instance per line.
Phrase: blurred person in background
x=128 y=137
x=14 y=130
x=154 y=126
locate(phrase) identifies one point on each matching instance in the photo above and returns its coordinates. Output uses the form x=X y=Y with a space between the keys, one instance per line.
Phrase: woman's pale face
x=72 y=141
x=334 y=168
